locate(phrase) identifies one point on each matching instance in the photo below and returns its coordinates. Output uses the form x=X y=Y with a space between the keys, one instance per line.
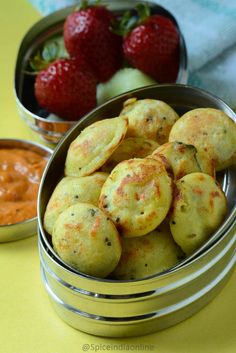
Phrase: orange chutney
x=20 y=174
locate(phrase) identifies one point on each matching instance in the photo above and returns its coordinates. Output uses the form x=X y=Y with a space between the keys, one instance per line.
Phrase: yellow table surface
x=28 y=323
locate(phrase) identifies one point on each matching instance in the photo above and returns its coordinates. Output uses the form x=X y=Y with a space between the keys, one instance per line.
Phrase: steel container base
x=167 y=300
x=115 y=328
x=113 y=308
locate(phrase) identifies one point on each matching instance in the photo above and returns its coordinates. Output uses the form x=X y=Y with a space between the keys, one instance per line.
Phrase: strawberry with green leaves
x=91 y=51
x=88 y=34
x=152 y=45
x=67 y=88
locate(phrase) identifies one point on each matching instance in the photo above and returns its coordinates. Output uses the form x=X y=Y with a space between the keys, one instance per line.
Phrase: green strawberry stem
x=51 y=50
x=143 y=11
x=84 y=4
x=131 y=19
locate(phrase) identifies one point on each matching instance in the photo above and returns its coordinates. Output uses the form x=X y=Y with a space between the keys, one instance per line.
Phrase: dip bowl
x=45 y=130
x=28 y=227
x=119 y=308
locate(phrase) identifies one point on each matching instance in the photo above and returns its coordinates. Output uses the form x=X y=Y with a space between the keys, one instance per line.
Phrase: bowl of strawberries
x=79 y=57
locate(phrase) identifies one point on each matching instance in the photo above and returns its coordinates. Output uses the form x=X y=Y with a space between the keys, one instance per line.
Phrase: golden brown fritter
x=137 y=196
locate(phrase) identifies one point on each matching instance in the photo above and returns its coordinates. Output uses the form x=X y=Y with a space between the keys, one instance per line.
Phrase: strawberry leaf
x=36 y=63
x=84 y=4
x=131 y=19
x=143 y=11
x=51 y=50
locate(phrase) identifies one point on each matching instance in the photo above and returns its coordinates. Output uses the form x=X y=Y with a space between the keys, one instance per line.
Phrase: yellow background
x=28 y=323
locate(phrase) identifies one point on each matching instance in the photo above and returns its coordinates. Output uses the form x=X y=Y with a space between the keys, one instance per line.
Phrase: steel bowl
x=50 y=132
x=28 y=227
x=130 y=308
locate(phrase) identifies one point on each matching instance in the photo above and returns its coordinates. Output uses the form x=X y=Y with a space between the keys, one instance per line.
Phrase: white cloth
x=209 y=29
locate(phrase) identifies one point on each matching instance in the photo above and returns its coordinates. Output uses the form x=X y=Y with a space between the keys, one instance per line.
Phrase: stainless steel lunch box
x=131 y=308
x=50 y=132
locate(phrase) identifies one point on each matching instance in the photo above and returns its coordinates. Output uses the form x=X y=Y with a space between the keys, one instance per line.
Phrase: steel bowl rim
x=30 y=143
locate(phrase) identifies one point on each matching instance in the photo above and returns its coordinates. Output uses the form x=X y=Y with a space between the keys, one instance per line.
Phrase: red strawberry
x=87 y=33
x=153 y=47
x=66 y=88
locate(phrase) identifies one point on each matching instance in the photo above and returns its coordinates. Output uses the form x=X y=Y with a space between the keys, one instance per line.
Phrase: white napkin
x=209 y=29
